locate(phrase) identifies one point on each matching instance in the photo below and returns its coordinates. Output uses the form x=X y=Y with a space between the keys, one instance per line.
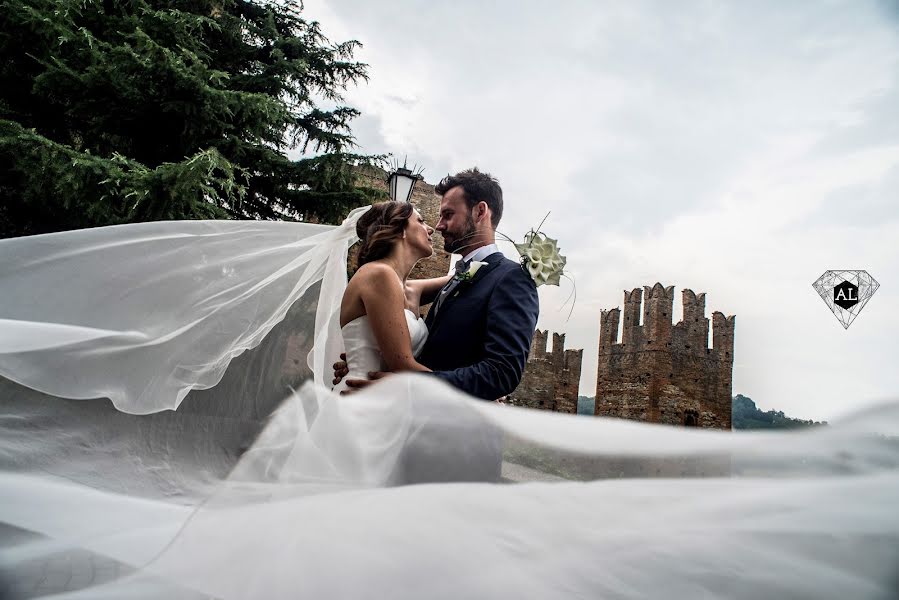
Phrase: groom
x=482 y=322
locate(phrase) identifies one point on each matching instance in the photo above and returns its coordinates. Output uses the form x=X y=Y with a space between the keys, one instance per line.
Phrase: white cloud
x=739 y=149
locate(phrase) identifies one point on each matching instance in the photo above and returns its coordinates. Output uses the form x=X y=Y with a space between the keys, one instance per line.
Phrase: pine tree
x=115 y=111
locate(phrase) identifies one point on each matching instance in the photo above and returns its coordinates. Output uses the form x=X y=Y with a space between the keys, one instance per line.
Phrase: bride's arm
x=384 y=300
x=427 y=289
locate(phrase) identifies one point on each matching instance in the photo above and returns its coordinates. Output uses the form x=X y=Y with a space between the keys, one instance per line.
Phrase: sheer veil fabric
x=142 y=314
x=162 y=493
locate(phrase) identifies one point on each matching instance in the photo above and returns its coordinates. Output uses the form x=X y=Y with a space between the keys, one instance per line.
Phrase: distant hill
x=746 y=415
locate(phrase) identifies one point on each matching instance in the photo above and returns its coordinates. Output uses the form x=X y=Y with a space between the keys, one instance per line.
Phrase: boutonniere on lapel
x=468 y=274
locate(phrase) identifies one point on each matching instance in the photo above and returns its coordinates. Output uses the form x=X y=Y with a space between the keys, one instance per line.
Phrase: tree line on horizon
x=141 y=110
x=744 y=415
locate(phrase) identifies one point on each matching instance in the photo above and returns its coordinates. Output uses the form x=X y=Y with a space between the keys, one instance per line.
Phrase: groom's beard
x=457 y=243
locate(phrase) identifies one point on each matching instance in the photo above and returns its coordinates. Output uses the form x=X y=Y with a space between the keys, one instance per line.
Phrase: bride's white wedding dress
x=131 y=499
x=362 y=352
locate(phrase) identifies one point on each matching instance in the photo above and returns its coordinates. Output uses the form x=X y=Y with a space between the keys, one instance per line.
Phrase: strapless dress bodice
x=362 y=352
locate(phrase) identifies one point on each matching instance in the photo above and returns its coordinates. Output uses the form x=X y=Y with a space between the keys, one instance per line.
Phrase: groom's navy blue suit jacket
x=480 y=337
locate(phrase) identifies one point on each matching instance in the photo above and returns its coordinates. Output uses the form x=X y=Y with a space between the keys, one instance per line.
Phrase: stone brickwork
x=661 y=373
x=551 y=378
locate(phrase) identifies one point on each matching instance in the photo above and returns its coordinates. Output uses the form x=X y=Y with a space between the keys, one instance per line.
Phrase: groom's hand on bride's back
x=340 y=369
x=358 y=384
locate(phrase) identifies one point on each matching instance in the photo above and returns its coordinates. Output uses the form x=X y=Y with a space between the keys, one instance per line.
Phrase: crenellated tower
x=664 y=373
x=551 y=377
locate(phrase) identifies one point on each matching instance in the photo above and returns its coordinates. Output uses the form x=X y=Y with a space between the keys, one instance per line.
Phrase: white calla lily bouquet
x=540 y=256
x=541 y=259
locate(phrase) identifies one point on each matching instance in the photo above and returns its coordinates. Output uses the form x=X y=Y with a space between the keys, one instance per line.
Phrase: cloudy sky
x=739 y=149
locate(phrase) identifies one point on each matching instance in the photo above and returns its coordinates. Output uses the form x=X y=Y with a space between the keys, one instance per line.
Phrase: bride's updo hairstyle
x=380 y=228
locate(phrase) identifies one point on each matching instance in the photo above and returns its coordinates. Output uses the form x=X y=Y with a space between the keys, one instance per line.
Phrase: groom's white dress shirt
x=478 y=254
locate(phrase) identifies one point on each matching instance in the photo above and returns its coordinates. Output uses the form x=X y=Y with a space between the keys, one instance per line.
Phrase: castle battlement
x=661 y=372
x=723 y=334
x=551 y=376
x=656 y=331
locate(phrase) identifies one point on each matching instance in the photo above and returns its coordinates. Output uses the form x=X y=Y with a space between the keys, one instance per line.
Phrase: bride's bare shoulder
x=374 y=277
x=374 y=272
x=371 y=282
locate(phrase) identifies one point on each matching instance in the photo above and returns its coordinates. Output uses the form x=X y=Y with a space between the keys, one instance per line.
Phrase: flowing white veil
x=251 y=490
x=142 y=314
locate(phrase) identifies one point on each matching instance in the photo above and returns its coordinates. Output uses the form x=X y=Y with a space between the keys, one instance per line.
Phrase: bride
x=114 y=484
x=379 y=312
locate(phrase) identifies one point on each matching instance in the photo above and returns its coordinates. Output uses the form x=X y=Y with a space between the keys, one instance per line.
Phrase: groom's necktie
x=461 y=267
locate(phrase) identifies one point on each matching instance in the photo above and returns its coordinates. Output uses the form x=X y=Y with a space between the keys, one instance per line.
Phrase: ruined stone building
x=551 y=377
x=662 y=373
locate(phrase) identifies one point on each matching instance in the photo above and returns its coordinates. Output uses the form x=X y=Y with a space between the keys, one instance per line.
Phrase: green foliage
x=745 y=415
x=114 y=111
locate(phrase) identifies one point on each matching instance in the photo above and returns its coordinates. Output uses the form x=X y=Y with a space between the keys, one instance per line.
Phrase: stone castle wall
x=551 y=378
x=662 y=373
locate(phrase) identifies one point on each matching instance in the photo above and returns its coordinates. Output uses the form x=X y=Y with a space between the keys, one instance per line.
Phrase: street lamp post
x=401 y=183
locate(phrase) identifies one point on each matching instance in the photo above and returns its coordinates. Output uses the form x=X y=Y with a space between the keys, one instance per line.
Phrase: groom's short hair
x=478 y=187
